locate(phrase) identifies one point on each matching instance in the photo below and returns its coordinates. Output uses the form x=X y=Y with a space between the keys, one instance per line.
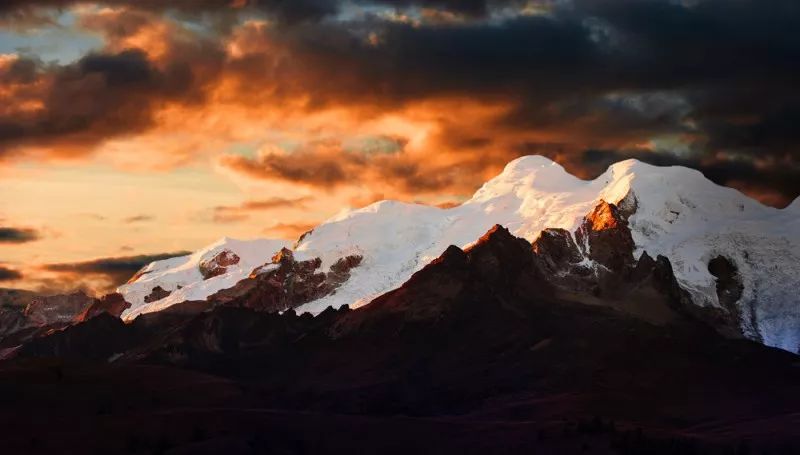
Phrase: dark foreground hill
x=503 y=348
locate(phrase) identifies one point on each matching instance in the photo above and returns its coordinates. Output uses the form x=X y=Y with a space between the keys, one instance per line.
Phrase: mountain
x=728 y=252
x=221 y=265
x=504 y=346
x=26 y=315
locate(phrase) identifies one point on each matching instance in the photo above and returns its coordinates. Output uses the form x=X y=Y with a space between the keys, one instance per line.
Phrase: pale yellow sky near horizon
x=83 y=212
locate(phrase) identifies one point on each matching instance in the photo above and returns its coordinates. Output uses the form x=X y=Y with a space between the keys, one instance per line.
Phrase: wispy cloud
x=289 y=230
x=8 y=274
x=138 y=219
x=105 y=273
x=18 y=235
x=235 y=213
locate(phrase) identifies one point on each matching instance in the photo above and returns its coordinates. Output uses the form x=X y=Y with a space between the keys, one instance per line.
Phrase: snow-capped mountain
x=195 y=276
x=672 y=211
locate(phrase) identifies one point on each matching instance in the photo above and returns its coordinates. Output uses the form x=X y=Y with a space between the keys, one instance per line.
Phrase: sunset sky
x=131 y=130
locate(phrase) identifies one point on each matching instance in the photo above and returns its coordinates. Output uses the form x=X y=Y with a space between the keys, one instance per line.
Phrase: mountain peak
x=604 y=216
x=530 y=162
x=495 y=233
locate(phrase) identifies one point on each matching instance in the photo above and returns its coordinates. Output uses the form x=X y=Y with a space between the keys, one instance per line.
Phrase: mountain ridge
x=672 y=211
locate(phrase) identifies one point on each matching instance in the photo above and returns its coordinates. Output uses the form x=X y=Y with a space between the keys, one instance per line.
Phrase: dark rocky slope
x=480 y=351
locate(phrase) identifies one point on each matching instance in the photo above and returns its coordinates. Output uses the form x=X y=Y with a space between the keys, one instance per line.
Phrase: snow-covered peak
x=794 y=206
x=183 y=277
x=528 y=172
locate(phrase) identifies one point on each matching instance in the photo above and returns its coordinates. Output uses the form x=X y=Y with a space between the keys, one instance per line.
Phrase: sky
x=137 y=130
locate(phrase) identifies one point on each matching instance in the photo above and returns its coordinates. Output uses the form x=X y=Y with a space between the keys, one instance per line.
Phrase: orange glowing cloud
x=311 y=99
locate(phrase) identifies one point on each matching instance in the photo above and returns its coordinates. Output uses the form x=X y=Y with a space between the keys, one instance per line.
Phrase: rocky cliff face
x=12 y=321
x=25 y=319
x=500 y=265
x=604 y=237
x=62 y=308
x=113 y=304
x=598 y=267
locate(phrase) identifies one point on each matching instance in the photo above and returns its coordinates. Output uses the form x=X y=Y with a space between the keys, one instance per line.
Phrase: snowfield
x=679 y=214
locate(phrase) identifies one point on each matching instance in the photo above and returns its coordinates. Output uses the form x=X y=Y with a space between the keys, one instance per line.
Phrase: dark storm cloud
x=100 y=96
x=7 y=274
x=116 y=269
x=35 y=12
x=288 y=11
x=18 y=235
x=469 y=8
x=327 y=165
x=20 y=71
x=304 y=167
x=603 y=74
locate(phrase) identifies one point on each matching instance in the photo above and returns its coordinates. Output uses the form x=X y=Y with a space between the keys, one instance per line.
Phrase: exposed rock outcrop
x=219 y=264
x=113 y=304
x=557 y=249
x=729 y=291
x=12 y=320
x=604 y=237
x=158 y=293
x=729 y=283
x=62 y=308
x=17 y=298
x=286 y=283
x=595 y=260
x=503 y=267
x=599 y=268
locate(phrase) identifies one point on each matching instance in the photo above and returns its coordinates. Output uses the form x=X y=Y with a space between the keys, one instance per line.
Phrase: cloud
x=316 y=168
x=327 y=165
x=18 y=235
x=82 y=104
x=65 y=110
x=289 y=230
x=106 y=273
x=365 y=200
x=235 y=213
x=138 y=219
x=464 y=93
x=36 y=12
x=7 y=274
x=229 y=217
x=93 y=216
